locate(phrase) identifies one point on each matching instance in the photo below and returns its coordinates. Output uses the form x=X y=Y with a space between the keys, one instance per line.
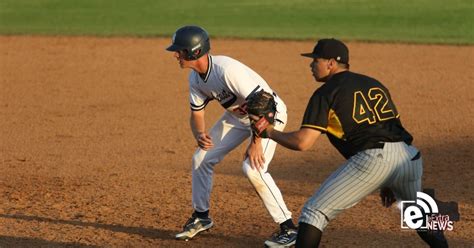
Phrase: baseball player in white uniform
x=229 y=82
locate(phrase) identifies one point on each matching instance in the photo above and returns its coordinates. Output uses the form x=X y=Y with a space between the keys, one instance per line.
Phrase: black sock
x=308 y=236
x=201 y=215
x=288 y=224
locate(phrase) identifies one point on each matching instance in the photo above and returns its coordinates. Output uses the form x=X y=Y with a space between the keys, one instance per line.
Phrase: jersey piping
x=209 y=68
x=322 y=129
x=334 y=125
x=202 y=106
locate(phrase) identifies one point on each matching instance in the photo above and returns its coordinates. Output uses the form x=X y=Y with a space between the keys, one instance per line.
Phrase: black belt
x=380 y=145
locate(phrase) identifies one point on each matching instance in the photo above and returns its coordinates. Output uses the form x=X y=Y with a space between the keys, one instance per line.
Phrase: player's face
x=180 y=55
x=320 y=69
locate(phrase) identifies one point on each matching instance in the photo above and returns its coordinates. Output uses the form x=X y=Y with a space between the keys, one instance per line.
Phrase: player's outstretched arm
x=300 y=140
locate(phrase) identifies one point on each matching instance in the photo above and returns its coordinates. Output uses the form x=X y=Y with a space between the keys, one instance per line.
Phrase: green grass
x=418 y=21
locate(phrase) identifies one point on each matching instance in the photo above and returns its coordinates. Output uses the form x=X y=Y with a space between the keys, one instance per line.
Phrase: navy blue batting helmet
x=191 y=39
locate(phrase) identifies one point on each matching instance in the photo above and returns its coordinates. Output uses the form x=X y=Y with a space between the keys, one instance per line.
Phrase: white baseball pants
x=228 y=133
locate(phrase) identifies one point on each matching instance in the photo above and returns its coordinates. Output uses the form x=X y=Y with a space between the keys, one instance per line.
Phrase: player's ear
x=330 y=64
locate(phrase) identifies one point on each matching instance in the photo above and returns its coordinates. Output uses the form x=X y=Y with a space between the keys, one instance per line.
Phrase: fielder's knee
x=248 y=171
x=253 y=175
x=314 y=217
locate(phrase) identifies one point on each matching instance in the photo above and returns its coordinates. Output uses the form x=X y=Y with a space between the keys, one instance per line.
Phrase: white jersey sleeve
x=243 y=81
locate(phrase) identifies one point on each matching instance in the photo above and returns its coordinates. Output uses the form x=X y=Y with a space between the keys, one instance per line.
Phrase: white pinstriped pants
x=361 y=175
x=228 y=133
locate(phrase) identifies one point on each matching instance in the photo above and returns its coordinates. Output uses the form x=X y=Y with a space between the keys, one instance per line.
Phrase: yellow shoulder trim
x=335 y=125
x=315 y=127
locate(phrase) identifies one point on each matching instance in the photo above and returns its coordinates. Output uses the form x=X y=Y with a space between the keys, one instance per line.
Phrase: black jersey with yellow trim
x=356 y=112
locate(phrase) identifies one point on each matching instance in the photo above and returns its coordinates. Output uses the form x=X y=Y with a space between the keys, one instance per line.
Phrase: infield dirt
x=96 y=146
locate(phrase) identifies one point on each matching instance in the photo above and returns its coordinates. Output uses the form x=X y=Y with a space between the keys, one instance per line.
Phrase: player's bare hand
x=387 y=197
x=204 y=141
x=255 y=154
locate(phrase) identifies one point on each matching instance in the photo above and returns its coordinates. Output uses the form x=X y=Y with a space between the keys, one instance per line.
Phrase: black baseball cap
x=330 y=49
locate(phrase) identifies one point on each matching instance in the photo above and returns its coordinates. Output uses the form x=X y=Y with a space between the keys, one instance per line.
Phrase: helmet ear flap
x=191 y=55
x=195 y=55
x=192 y=40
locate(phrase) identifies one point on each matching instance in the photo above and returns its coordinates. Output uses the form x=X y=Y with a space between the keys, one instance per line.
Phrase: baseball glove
x=261 y=108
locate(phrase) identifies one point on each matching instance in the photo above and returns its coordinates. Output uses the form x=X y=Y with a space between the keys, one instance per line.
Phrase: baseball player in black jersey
x=360 y=119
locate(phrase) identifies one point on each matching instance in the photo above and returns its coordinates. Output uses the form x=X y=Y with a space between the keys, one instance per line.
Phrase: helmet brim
x=309 y=55
x=174 y=48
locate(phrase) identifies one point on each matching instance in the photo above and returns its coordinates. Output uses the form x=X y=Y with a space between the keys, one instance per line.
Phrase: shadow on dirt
x=8 y=241
x=146 y=232
x=142 y=231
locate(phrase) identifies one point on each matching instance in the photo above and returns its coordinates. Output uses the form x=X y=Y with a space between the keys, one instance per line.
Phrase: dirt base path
x=96 y=148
